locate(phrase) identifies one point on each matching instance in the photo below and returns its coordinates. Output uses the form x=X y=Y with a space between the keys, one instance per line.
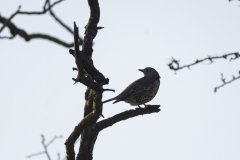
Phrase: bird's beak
x=140 y=70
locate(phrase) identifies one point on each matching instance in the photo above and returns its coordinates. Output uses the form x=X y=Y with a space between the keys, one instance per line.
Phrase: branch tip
x=100 y=28
x=109 y=90
x=74 y=69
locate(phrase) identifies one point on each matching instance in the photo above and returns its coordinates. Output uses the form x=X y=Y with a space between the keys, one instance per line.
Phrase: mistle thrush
x=142 y=90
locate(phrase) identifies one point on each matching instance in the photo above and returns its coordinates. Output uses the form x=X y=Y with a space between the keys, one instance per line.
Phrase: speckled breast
x=146 y=96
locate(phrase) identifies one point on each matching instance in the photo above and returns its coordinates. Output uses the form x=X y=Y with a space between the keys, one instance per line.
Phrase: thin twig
x=64 y=25
x=227 y=82
x=9 y=19
x=53 y=139
x=35 y=154
x=5 y=37
x=44 y=9
x=45 y=5
x=58 y=20
x=14 y=30
x=45 y=146
x=175 y=65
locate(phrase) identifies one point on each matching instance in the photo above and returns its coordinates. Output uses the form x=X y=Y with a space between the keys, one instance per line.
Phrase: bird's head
x=148 y=71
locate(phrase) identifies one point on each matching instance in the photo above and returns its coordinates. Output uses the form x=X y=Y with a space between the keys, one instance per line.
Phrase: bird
x=140 y=91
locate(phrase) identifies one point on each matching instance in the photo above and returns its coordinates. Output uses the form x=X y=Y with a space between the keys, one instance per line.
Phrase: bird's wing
x=137 y=87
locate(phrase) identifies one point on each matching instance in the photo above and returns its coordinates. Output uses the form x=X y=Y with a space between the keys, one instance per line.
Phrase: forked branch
x=14 y=30
x=234 y=78
x=96 y=128
x=175 y=65
x=45 y=146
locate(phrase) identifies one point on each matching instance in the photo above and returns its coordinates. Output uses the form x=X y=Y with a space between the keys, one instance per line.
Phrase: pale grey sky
x=38 y=95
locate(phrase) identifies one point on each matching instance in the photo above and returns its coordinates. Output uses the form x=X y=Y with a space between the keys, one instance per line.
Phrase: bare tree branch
x=97 y=127
x=45 y=146
x=45 y=5
x=9 y=19
x=5 y=37
x=81 y=70
x=91 y=70
x=14 y=30
x=227 y=82
x=90 y=34
x=44 y=8
x=175 y=65
x=61 y=22
x=35 y=154
x=86 y=121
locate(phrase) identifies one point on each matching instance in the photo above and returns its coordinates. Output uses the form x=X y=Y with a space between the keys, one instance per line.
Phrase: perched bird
x=142 y=90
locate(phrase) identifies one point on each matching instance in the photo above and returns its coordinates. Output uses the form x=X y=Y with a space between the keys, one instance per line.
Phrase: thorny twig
x=227 y=82
x=175 y=65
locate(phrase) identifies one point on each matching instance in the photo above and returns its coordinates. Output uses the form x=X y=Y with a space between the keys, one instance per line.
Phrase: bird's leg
x=145 y=106
x=139 y=106
x=101 y=116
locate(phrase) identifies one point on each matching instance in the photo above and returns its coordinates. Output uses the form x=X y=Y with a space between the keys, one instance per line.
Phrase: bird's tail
x=109 y=100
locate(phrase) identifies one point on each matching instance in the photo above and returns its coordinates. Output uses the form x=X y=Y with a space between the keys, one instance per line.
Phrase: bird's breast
x=145 y=96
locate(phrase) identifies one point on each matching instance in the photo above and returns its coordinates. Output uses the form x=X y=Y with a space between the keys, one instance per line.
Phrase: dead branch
x=89 y=82
x=175 y=65
x=14 y=30
x=9 y=19
x=93 y=106
x=5 y=37
x=44 y=8
x=91 y=70
x=45 y=146
x=99 y=126
x=234 y=78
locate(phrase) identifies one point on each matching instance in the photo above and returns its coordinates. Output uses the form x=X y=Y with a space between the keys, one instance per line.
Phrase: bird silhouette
x=140 y=91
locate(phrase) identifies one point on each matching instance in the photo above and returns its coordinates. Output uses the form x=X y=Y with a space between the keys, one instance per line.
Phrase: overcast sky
x=38 y=95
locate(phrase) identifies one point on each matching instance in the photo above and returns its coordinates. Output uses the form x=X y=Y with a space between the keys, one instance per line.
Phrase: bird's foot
x=145 y=106
x=140 y=108
x=101 y=115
